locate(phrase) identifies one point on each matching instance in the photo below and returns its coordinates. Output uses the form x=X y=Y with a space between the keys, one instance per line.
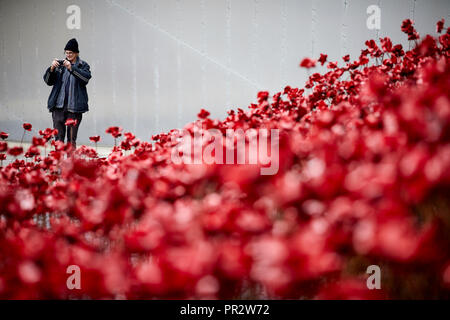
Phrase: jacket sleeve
x=82 y=73
x=49 y=77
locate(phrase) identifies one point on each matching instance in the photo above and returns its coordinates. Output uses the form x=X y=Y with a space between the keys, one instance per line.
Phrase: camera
x=61 y=62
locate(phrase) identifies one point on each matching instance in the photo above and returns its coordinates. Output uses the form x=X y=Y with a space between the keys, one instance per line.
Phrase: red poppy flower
x=332 y=65
x=125 y=145
x=15 y=151
x=363 y=60
x=27 y=126
x=48 y=133
x=308 y=63
x=262 y=96
x=32 y=151
x=129 y=136
x=71 y=122
x=114 y=131
x=38 y=141
x=407 y=25
x=408 y=28
x=203 y=114
x=135 y=143
x=323 y=59
x=386 y=44
x=440 y=25
x=287 y=90
x=94 y=138
x=4 y=135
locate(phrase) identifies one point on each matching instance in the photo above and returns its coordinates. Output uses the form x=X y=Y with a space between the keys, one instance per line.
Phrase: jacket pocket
x=81 y=98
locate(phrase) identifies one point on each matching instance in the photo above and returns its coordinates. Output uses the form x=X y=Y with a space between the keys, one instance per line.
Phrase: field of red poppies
x=363 y=179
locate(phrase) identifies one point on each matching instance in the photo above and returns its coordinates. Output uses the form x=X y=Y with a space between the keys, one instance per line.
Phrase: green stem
x=23 y=135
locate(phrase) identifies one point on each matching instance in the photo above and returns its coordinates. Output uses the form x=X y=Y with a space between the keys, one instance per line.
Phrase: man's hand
x=67 y=64
x=54 y=65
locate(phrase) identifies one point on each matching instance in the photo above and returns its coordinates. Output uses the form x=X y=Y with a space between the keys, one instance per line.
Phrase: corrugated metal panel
x=156 y=63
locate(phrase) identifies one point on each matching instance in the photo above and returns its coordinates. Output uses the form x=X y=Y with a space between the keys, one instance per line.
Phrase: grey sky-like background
x=156 y=63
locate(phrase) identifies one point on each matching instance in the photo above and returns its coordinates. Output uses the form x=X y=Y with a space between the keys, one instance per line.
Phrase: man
x=68 y=98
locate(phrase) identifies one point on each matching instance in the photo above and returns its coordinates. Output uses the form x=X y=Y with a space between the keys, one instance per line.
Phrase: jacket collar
x=78 y=62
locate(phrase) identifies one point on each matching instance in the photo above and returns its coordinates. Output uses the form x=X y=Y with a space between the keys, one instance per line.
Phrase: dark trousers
x=59 y=119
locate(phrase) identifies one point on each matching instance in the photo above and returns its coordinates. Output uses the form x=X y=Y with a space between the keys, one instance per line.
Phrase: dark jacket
x=82 y=74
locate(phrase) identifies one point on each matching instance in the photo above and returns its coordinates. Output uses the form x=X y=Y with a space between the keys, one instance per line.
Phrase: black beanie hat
x=72 y=45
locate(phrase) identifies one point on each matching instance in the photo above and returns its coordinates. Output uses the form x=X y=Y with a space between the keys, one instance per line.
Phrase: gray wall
x=156 y=63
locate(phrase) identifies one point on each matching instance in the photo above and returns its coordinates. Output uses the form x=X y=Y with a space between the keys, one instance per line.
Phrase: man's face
x=70 y=55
